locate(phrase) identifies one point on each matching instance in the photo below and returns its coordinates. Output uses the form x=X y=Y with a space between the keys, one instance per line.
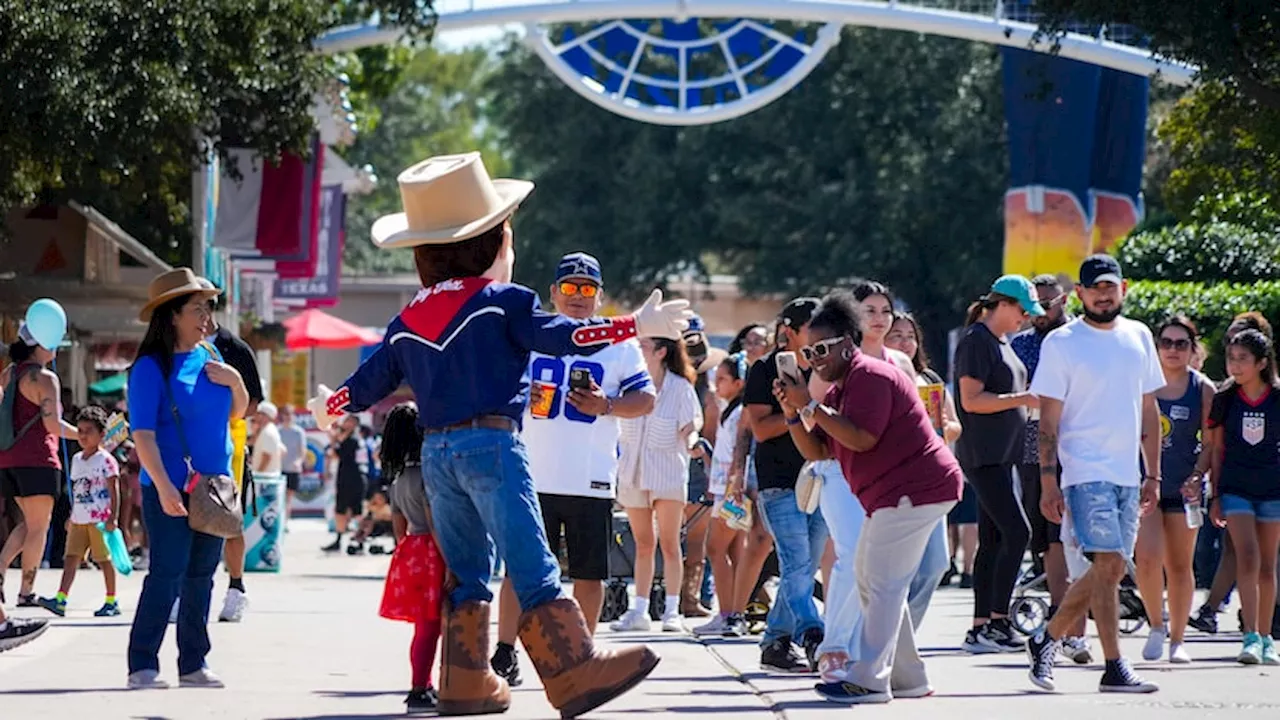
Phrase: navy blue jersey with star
x=463 y=347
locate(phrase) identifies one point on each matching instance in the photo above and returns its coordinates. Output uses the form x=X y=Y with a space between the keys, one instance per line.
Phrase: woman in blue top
x=176 y=373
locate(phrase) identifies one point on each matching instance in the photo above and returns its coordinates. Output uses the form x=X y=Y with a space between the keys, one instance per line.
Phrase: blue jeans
x=933 y=565
x=1104 y=517
x=481 y=493
x=182 y=561
x=799 y=540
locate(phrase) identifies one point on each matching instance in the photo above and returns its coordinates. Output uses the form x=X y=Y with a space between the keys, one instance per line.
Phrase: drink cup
x=542 y=409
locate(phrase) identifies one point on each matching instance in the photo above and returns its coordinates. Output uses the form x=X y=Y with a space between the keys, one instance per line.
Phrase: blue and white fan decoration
x=684 y=71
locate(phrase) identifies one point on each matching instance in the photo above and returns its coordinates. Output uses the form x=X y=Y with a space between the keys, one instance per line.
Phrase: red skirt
x=415 y=581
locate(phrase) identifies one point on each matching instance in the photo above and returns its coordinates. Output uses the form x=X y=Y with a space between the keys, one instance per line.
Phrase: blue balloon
x=47 y=323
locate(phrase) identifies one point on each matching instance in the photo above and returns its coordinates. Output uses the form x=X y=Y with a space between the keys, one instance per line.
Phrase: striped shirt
x=655 y=457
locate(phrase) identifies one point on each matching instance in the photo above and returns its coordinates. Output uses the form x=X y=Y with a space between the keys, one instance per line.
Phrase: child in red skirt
x=415 y=581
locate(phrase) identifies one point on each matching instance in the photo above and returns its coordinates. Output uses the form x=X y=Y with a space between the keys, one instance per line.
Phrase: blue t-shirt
x=205 y=408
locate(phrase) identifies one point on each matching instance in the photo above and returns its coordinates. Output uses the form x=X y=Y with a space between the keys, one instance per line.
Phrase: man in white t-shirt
x=1097 y=380
x=573 y=452
x=268 y=448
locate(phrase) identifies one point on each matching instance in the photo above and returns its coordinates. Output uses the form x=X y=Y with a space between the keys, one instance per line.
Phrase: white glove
x=319 y=407
x=662 y=319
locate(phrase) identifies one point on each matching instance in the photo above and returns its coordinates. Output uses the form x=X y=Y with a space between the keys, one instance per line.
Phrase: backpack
x=9 y=438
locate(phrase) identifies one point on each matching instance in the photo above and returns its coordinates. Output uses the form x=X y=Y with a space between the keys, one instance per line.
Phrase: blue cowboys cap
x=579 y=266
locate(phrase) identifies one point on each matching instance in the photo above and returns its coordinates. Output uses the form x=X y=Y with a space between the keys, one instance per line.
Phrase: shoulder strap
x=177 y=419
x=13 y=392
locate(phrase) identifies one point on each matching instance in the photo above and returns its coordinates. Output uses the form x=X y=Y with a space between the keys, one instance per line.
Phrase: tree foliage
x=1210 y=252
x=105 y=99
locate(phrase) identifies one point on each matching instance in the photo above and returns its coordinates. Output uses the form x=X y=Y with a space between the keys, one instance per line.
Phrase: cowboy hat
x=172 y=284
x=448 y=199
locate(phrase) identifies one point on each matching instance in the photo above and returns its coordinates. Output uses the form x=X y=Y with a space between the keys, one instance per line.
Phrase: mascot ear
x=503 y=267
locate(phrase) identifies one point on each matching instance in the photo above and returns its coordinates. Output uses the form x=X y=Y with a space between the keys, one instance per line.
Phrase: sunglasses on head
x=1049 y=305
x=585 y=290
x=820 y=349
x=1172 y=344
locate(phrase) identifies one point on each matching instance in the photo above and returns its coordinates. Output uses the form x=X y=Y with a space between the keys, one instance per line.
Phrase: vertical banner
x=289 y=379
x=1077 y=141
x=322 y=287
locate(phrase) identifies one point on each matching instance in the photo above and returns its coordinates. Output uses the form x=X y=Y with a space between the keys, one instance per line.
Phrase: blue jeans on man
x=799 y=540
x=182 y=562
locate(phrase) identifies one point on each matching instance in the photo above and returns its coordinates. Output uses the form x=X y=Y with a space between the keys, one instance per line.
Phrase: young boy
x=95 y=498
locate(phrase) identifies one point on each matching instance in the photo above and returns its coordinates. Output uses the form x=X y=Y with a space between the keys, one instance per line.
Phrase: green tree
x=104 y=99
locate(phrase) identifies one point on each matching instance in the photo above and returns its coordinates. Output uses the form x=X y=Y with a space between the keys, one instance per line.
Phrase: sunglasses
x=1049 y=305
x=1171 y=344
x=820 y=349
x=586 y=291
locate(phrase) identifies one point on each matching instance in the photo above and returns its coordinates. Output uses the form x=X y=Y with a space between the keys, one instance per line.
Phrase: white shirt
x=268 y=444
x=655 y=456
x=722 y=456
x=1100 y=376
x=90 y=493
x=571 y=453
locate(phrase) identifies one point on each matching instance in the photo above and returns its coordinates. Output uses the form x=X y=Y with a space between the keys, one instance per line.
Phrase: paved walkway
x=312 y=647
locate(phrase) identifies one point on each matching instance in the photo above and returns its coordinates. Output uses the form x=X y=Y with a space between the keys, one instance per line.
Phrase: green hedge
x=1213 y=252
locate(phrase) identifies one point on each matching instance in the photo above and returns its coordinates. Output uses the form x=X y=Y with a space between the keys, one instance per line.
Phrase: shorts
x=86 y=537
x=291 y=480
x=1104 y=517
x=966 y=511
x=349 y=495
x=1171 y=505
x=585 y=524
x=633 y=497
x=1262 y=510
x=1043 y=532
x=30 y=481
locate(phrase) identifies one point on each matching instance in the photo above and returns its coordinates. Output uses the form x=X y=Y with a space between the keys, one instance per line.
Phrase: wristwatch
x=808 y=410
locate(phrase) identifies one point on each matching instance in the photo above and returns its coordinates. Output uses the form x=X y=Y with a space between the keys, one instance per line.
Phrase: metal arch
x=988 y=28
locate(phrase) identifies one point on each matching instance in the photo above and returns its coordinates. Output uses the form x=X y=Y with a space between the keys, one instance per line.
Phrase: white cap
x=268 y=408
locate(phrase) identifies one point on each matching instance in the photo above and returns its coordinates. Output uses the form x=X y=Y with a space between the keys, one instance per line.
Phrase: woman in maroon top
x=30 y=470
x=873 y=422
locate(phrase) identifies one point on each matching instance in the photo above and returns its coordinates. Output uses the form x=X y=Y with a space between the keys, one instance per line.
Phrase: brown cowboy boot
x=578 y=678
x=690 y=603
x=468 y=686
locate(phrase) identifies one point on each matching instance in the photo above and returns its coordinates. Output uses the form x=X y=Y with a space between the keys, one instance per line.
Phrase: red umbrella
x=317 y=329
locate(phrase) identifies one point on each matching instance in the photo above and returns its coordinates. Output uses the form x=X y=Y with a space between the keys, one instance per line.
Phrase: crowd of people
x=823 y=438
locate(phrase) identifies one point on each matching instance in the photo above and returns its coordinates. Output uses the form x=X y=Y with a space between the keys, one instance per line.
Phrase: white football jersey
x=575 y=454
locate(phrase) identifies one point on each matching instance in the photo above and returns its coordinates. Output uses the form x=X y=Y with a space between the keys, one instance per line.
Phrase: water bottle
x=1195 y=515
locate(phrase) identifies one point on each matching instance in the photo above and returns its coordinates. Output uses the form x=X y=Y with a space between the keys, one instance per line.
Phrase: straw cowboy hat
x=448 y=199
x=175 y=283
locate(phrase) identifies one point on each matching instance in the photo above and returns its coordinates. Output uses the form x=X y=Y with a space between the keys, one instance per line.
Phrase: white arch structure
x=996 y=22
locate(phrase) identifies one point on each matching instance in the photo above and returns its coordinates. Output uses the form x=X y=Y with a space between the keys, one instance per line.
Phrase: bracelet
x=608 y=406
x=793 y=421
x=1151 y=477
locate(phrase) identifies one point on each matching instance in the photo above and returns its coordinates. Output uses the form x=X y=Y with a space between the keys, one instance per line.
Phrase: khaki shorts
x=630 y=497
x=86 y=537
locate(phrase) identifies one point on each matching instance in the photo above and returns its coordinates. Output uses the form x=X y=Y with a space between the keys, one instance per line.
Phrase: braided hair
x=401 y=440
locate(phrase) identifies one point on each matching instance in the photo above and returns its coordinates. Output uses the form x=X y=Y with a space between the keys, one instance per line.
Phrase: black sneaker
x=975 y=644
x=20 y=631
x=421 y=700
x=1205 y=620
x=810 y=641
x=951 y=574
x=334 y=546
x=781 y=656
x=847 y=693
x=504 y=663
x=1042 y=650
x=1120 y=678
x=966 y=581
x=1000 y=635
x=27 y=600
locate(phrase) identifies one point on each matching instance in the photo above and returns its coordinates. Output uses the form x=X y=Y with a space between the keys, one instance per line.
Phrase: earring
x=847 y=354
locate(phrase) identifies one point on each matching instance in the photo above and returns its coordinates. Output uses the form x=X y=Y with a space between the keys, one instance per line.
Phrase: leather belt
x=484 y=422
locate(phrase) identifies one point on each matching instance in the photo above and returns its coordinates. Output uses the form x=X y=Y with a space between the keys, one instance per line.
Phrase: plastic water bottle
x=1194 y=512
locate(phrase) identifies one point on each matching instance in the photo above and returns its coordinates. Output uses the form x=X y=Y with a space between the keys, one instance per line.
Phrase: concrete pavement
x=312 y=647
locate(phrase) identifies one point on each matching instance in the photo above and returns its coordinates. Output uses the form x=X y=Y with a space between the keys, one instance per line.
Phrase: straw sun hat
x=172 y=284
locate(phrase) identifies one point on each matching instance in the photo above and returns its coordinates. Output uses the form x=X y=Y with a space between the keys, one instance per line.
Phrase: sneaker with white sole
x=974 y=645
x=735 y=626
x=1120 y=678
x=672 y=622
x=1154 y=649
x=1041 y=651
x=847 y=693
x=1076 y=649
x=1251 y=652
x=1269 y=654
x=715 y=626
x=202 y=678
x=147 y=680
x=20 y=631
x=632 y=621
x=234 y=606
x=1178 y=654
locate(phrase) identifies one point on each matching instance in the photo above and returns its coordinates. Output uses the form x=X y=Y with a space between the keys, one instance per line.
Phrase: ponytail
x=977 y=307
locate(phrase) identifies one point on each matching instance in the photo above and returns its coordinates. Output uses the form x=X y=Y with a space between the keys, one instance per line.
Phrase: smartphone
x=789 y=367
x=580 y=379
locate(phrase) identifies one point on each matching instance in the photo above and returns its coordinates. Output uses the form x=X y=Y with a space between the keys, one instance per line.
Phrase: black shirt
x=348 y=466
x=778 y=462
x=1251 y=443
x=238 y=354
x=994 y=439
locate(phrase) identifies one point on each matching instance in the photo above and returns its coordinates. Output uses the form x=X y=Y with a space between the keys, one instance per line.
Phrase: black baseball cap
x=798 y=312
x=1099 y=269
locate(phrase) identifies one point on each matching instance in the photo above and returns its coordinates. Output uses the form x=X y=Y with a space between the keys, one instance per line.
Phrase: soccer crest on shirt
x=1253 y=428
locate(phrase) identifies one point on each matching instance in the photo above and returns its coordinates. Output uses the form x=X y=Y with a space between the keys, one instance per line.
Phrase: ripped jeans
x=1104 y=517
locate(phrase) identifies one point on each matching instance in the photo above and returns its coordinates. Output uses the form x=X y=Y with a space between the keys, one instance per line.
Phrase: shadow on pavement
x=64 y=691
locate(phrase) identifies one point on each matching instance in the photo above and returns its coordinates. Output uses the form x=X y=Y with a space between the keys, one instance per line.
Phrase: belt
x=484 y=422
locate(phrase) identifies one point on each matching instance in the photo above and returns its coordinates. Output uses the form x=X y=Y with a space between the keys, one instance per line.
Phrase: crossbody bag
x=214 y=508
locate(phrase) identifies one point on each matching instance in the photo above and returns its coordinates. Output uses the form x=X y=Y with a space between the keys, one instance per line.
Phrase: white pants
x=842 y=611
x=889 y=552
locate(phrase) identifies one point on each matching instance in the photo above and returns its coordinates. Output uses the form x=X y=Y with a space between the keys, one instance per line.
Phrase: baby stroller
x=622 y=555
x=1029 y=612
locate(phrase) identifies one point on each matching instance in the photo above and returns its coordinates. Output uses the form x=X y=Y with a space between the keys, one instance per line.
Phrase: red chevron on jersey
x=612 y=332
x=338 y=401
x=433 y=309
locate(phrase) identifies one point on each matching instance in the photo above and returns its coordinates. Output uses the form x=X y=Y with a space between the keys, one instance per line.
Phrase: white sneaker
x=234 y=606
x=1178 y=654
x=147 y=680
x=632 y=621
x=202 y=678
x=1154 y=648
x=716 y=626
x=672 y=622
x=1076 y=649
x=173 y=614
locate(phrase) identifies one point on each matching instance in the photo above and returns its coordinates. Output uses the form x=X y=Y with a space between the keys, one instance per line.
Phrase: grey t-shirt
x=409 y=498
x=295 y=448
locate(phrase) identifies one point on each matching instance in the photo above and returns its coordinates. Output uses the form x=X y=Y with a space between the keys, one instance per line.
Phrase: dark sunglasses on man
x=820 y=349
x=586 y=290
x=1053 y=303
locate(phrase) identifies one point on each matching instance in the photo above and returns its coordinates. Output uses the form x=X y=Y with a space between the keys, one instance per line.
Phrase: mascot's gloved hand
x=319 y=407
x=662 y=319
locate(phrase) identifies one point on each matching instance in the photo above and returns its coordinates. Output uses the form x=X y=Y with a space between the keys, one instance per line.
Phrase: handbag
x=214 y=507
x=808 y=489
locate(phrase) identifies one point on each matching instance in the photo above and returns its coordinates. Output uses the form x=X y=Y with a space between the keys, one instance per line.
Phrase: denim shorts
x=1104 y=517
x=1263 y=510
